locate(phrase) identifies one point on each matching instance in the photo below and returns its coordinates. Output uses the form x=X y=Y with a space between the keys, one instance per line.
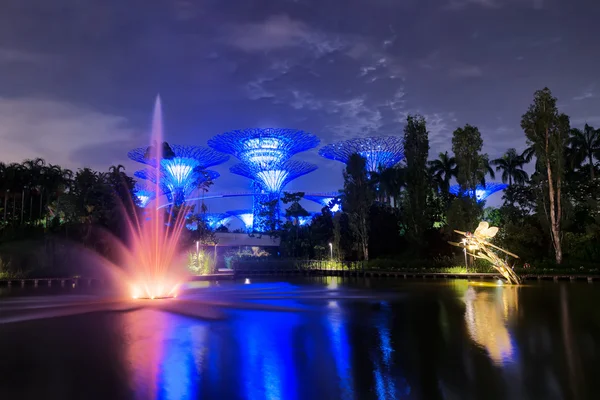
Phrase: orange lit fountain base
x=154 y=291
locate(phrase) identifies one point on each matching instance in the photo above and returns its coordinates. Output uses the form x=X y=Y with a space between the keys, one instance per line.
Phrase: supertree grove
x=264 y=156
x=481 y=192
x=380 y=152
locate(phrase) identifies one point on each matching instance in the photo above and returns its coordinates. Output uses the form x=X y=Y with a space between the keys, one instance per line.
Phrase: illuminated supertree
x=182 y=170
x=273 y=180
x=329 y=200
x=177 y=188
x=144 y=194
x=182 y=157
x=213 y=220
x=481 y=192
x=246 y=216
x=380 y=152
x=302 y=221
x=265 y=147
x=264 y=156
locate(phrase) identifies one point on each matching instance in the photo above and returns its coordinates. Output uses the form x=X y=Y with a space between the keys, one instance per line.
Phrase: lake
x=314 y=338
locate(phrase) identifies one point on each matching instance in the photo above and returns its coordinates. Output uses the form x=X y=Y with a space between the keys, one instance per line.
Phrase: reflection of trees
x=486 y=317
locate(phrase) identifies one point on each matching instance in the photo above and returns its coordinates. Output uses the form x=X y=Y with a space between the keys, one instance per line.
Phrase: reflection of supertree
x=326 y=201
x=481 y=192
x=144 y=194
x=265 y=155
x=176 y=187
x=380 y=152
x=182 y=172
x=246 y=216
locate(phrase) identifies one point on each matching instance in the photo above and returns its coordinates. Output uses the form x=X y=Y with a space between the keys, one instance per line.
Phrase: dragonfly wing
x=481 y=228
x=491 y=232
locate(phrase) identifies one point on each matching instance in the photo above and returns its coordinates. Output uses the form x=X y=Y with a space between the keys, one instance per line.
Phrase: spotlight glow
x=481 y=192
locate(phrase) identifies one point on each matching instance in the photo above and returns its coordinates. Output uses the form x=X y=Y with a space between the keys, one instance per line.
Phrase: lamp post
x=464 y=241
x=198 y=254
x=331 y=251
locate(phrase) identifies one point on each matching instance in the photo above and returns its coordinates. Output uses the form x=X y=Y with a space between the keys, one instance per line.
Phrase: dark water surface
x=305 y=339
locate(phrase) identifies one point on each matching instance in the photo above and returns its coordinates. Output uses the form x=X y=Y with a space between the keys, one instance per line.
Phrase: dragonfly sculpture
x=477 y=244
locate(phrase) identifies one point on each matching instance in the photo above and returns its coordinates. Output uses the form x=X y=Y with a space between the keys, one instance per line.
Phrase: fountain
x=154 y=240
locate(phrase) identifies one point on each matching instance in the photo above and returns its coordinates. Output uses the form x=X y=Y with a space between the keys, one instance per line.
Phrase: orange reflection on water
x=144 y=351
x=488 y=312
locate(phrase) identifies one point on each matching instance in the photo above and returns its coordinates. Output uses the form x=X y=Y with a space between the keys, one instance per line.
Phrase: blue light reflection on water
x=177 y=373
x=266 y=352
x=389 y=384
x=341 y=349
x=258 y=354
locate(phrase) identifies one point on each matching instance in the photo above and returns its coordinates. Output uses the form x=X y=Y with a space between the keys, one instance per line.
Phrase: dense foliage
x=408 y=213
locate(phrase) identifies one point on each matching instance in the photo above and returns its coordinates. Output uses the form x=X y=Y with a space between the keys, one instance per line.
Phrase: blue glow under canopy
x=246 y=216
x=264 y=147
x=481 y=192
x=177 y=183
x=194 y=156
x=380 y=152
x=274 y=180
x=213 y=220
x=325 y=201
x=302 y=221
x=144 y=194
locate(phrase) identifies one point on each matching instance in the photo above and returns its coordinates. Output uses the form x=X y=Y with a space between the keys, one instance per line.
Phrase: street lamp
x=464 y=242
x=331 y=251
x=198 y=254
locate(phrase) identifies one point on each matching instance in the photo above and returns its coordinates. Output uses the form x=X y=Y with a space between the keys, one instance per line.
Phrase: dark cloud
x=79 y=77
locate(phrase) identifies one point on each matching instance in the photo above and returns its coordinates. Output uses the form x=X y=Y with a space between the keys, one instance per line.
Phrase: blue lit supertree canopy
x=264 y=156
x=481 y=192
x=246 y=216
x=144 y=194
x=264 y=147
x=177 y=187
x=273 y=180
x=182 y=157
x=181 y=171
x=381 y=152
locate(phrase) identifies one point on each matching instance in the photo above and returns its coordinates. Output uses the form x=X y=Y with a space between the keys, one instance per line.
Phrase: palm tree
x=484 y=169
x=389 y=182
x=443 y=170
x=14 y=180
x=36 y=169
x=511 y=164
x=584 y=145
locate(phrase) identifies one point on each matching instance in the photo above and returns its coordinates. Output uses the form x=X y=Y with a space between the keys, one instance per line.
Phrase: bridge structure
x=316 y=197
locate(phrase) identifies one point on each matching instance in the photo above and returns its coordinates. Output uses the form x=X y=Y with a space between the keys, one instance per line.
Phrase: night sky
x=78 y=77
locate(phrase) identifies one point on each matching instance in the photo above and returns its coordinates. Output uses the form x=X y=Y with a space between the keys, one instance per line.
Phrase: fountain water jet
x=154 y=239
